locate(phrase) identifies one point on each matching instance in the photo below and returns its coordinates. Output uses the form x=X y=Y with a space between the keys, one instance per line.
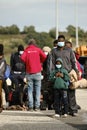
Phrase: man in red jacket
x=33 y=57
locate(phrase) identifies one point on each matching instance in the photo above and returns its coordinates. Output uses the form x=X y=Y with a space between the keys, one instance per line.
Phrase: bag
x=82 y=83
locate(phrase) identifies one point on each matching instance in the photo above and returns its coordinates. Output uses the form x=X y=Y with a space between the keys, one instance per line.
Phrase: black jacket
x=16 y=63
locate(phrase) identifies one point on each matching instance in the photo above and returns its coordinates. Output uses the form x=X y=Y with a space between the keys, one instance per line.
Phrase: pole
x=76 y=12
x=56 y=19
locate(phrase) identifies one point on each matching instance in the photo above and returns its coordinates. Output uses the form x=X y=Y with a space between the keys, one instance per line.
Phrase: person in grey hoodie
x=69 y=63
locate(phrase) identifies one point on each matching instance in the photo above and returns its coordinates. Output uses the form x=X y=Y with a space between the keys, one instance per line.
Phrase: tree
x=52 y=33
x=71 y=31
x=28 y=29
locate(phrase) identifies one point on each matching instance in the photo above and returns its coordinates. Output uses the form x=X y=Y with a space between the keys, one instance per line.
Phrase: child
x=60 y=78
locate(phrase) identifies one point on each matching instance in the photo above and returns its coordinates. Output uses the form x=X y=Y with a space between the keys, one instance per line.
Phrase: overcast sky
x=41 y=13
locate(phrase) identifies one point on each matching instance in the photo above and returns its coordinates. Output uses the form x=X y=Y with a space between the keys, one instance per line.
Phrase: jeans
x=34 y=89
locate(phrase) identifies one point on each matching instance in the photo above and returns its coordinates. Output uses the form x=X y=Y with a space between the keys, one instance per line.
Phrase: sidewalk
x=81 y=96
x=43 y=120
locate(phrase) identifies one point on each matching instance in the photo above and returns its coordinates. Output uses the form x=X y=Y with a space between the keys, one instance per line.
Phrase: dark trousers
x=72 y=101
x=17 y=80
x=60 y=98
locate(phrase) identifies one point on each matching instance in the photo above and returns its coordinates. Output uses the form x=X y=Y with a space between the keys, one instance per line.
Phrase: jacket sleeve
x=23 y=57
x=52 y=76
x=66 y=75
x=42 y=56
x=73 y=61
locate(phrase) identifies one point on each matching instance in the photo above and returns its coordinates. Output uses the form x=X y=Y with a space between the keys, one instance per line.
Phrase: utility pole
x=56 y=19
x=76 y=14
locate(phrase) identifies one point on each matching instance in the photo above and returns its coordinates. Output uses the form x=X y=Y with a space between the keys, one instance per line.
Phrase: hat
x=1 y=49
x=46 y=49
x=20 y=48
x=60 y=60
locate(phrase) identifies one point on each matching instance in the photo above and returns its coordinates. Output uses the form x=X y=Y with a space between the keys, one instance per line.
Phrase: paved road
x=43 y=120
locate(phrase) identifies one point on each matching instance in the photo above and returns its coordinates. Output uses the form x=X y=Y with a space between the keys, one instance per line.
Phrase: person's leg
x=57 y=101
x=37 y=89
x=21 y=87
x=72 y=102
x=30 y=92
x=37 y=86
x=65 y=101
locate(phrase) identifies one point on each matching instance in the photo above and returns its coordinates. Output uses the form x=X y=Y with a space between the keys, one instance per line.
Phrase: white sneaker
x=56 y=115
x=65 y=115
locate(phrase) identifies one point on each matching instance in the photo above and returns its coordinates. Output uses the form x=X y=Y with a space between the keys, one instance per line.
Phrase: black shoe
x=78 y=107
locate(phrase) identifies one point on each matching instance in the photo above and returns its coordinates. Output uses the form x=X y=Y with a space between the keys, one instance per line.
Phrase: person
x=60 y=77
x=44 y=88
x=18 y=74
x=69 y=63
x=33 y=57
x=2 y=71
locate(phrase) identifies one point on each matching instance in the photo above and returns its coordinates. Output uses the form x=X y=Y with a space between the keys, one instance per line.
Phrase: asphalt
x=44 y=120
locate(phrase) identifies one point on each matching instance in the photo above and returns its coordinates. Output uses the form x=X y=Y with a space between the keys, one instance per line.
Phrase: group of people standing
x=57 y=63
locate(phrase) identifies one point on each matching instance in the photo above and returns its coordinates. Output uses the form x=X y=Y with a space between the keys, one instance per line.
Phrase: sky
x=42 y=14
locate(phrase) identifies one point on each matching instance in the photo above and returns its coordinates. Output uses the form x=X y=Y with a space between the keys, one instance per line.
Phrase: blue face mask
x=59 y=66
x=61 y=44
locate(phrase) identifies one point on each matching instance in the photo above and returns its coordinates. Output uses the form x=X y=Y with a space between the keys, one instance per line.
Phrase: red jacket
x=33 y=57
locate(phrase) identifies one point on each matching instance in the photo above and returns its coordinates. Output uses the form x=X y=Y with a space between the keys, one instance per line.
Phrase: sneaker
x=57 y=115
x=37 y=109
x=65 y=115
x=75 y=114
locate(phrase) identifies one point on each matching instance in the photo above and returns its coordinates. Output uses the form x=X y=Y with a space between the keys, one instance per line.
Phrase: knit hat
x=1 y=49
x=60 y=60
x=20 y=48
x=46 y=49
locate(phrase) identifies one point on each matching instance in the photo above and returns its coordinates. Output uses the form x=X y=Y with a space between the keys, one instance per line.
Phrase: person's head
x=32 y=42
x=61 y=41
x=1 y=50
x=55 y=43
x=59 y=63
x=46 y=50
x=68 y=44
x=20 y=49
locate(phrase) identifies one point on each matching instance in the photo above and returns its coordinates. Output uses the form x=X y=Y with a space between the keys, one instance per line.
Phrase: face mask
x=21 y=52
x=59 y=66
x=46 y=53
x=61 y=44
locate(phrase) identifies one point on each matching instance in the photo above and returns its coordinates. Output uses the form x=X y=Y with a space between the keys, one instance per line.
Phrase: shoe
x=78 y=107
x=57 y=115
x=65 y=115
x=74 y=114
x=37 y=109
x=30 y=109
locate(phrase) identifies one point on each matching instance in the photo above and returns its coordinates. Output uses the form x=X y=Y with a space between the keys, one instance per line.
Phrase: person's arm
x=73 y=61
x=42 y=56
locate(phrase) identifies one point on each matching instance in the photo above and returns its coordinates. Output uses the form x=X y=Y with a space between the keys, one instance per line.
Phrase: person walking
x=33 y=57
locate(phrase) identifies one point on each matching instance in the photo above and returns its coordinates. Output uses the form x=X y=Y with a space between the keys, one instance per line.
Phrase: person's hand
x=58 y=74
